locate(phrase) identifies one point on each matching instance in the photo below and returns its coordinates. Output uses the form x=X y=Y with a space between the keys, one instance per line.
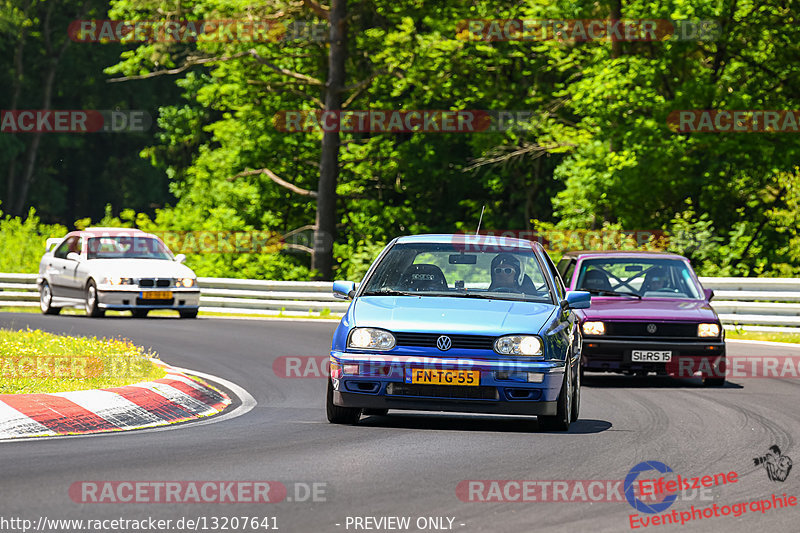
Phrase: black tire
x=188 y=314
x=139 y=313
x=563 y=417
x=375 y=412
x=340 y=415
x=46 y=300
x=576 y=397
x=713 y=382
x=91 y=301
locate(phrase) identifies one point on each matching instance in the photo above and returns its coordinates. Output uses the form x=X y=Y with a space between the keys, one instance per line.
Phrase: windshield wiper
x=511 y=296
x=388 y=292
x=612 y=293
x=468 y=295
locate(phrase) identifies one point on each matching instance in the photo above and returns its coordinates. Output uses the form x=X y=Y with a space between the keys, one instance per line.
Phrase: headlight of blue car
x=518 y=345
x=371 y=339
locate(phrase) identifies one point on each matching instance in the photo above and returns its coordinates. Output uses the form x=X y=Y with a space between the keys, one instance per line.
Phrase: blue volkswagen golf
x=458 y=323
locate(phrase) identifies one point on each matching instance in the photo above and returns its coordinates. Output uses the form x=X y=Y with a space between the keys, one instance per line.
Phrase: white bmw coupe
x=119 y=269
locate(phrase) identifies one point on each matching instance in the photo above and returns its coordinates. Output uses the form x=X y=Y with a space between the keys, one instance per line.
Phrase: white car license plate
x=156 y=295
x=651 y=356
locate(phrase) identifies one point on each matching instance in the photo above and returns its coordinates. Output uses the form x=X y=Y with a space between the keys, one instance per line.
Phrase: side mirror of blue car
x=578 y=299
x=344 y=290
x=708 y=293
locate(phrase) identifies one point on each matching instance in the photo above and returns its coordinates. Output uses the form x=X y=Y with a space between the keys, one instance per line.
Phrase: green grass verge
x=34 y=361
x=773 y=336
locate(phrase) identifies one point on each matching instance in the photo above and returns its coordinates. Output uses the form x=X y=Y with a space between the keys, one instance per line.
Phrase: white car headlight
x=594 y=328
x=708 y=330
x=371 y=339
x=115 y=280
x=518 y=345
x=185 y=282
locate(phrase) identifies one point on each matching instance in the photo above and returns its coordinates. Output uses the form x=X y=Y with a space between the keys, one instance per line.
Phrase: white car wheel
x=91 y=301
x=46 y=300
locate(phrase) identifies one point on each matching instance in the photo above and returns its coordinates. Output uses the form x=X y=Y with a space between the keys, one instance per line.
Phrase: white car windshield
x=445 y=269
x=127 y=247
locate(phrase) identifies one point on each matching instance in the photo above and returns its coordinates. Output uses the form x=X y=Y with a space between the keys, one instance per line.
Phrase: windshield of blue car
x=640 y=277
x=127 y=247
x=447 y=269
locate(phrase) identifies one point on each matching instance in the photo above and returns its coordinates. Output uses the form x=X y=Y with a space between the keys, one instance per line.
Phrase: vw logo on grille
x=651 y=328
x=444 y=343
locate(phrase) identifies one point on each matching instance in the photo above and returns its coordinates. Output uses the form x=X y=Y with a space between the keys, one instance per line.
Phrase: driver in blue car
x=508 y=273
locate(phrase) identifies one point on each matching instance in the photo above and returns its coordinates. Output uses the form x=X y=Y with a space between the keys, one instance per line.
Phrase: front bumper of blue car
x=381 y=381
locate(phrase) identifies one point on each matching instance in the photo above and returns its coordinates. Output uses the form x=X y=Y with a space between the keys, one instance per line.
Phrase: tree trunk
x=11 y=179
x=30 y=162
x=325 y=233
x=616 y=51
x=33 y=150
x=616 y=14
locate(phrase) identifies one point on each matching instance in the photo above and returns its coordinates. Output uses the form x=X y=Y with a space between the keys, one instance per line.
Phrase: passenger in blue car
x=508 y=273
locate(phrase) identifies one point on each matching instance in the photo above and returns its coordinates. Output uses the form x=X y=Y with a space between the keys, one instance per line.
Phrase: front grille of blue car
x=459 y=341
x=442 y=391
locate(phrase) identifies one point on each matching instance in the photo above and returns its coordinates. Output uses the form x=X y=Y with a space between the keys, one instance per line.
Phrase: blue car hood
x=451 y=315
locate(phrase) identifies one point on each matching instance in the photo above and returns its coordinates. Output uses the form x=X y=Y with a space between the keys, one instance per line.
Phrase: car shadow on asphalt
x=129 y=317
x=472 y=422
x=125 y=316
x=617 y=381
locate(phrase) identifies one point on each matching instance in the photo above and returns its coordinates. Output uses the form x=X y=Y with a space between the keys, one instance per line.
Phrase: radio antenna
x=477 y=231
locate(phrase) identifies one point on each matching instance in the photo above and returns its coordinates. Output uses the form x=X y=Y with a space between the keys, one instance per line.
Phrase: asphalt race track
x=405 y=464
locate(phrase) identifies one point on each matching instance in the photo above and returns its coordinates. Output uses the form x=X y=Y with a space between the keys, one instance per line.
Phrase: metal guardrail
x=739 y=301
x=219 y=295
x=756 y=301
x=250 y=296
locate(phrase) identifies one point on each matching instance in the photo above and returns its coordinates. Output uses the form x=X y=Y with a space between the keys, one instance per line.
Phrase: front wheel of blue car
x=576 y=397
x=340 y=415
x=563 y=417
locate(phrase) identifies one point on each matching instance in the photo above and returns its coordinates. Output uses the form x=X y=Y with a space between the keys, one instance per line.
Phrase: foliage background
x=598 y=155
